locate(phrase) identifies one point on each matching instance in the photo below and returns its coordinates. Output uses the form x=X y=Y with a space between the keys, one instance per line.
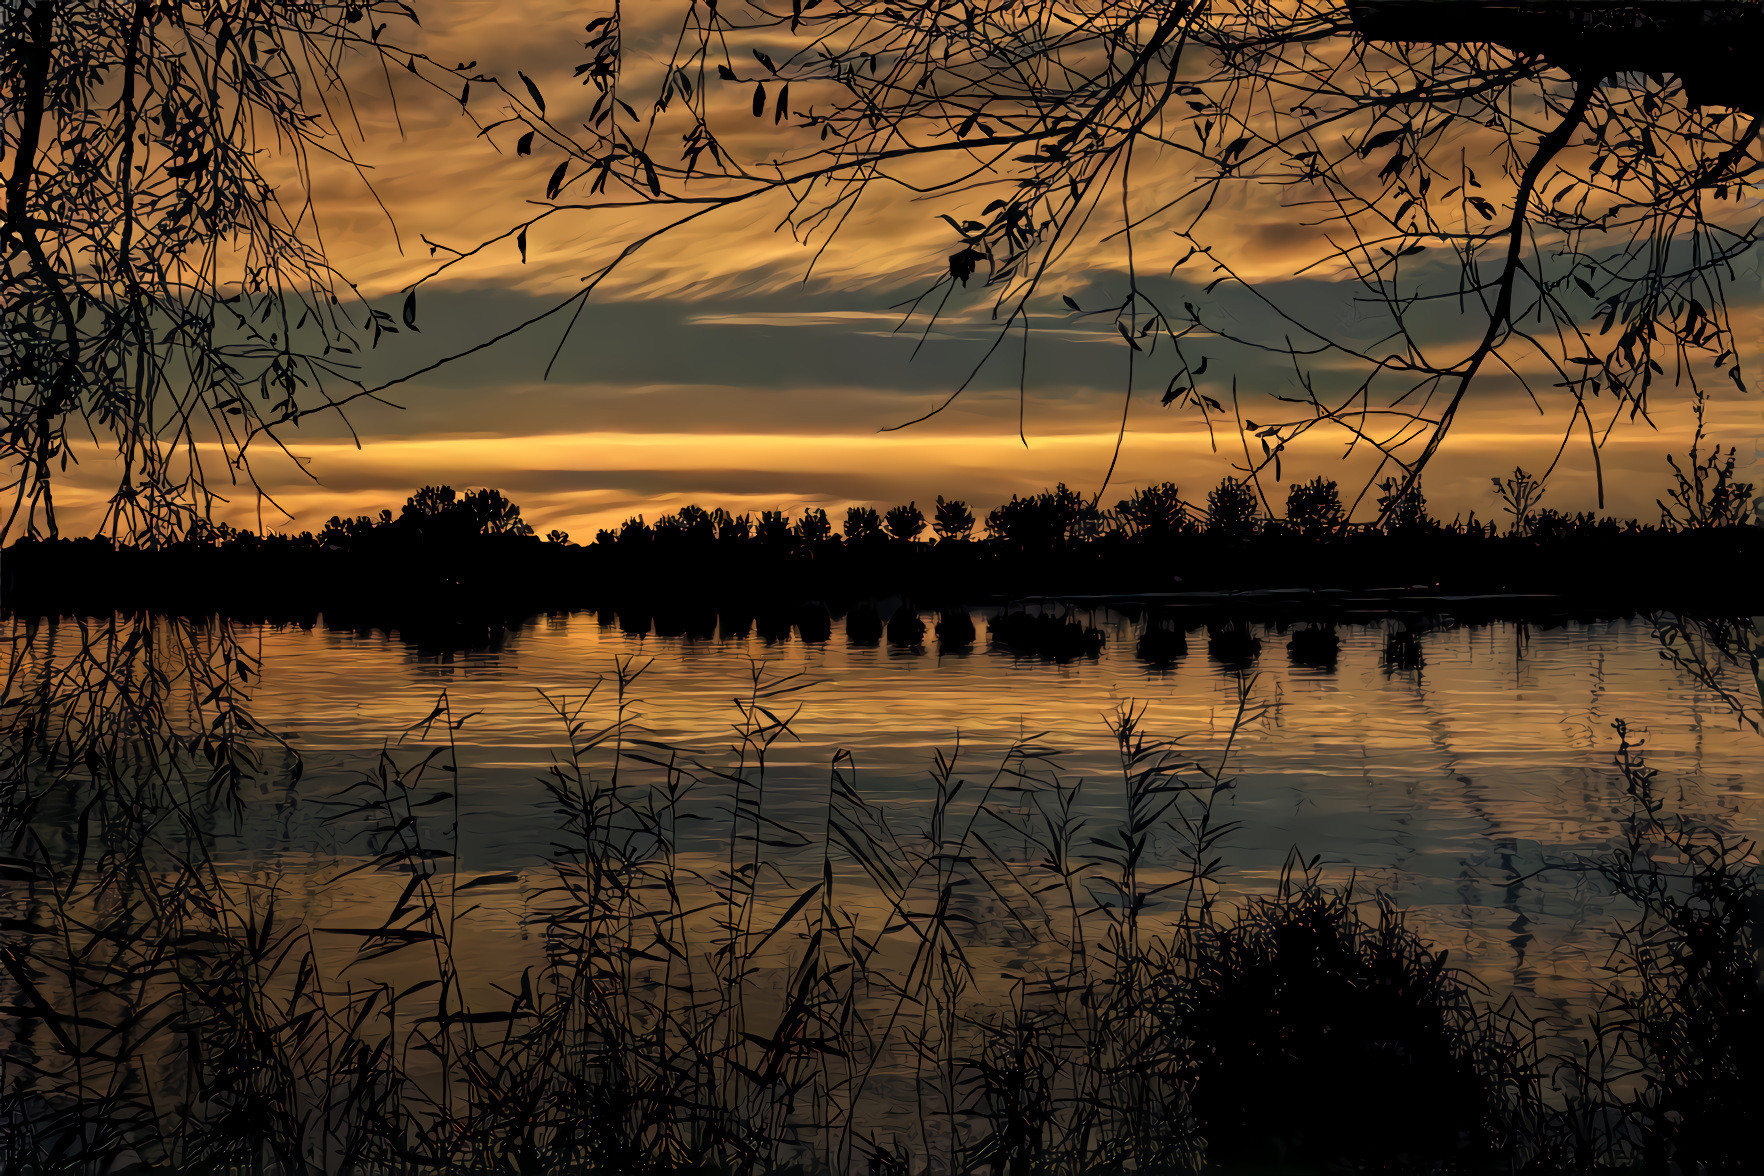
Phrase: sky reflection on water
x=1446 y=787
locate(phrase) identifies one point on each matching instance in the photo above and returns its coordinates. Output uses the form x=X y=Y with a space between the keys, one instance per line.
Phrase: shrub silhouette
x=1705 y=492
x=732 y=528
x=698 y=526
x=1051 y=542
x=1520 y=495
x=1316 y=1038
x=634 y=533
x=1689 y=996
x=337 y=531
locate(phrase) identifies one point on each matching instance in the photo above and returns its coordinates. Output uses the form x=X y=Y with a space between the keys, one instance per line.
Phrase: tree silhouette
x=862 y=524
x=773 y=529
x=162 y=296
x=814 y=526
x=732 y=527
x=1464 y=198
x=1313 y=509
x=1155 y=514
x=952 y=520
x=1402 y=508
x=905 y=523
x=1233 y=512
x=1051 y=521
x=442 y=514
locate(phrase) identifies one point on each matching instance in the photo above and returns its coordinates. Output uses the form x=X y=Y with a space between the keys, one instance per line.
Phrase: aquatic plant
x=1017 y=971
x=1686 y=1001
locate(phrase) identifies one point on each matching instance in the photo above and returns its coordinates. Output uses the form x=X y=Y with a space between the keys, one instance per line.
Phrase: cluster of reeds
x=1016 y=972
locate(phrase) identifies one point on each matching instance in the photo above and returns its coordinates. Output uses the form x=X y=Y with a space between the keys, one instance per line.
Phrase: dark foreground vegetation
x=447 y=553
x=1020 y=972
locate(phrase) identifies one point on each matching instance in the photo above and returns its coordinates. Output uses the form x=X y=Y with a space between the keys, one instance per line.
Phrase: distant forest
x=446 y=548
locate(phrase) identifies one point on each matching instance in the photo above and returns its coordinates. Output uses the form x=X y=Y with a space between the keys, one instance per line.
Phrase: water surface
x=1448 y=787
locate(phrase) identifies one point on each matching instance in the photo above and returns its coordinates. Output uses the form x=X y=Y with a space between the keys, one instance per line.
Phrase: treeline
x=1158 y=540
x=1061 y=520
x=444 y=544
x=1055 y=520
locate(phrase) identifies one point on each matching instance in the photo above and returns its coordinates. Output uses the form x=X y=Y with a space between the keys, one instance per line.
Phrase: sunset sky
x=712 y=371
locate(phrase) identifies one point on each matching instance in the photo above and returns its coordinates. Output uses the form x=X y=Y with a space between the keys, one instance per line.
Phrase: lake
x=1447 y=787
x=254 y=866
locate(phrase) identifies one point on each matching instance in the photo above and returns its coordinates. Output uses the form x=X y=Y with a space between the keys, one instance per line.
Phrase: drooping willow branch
x=1609 y=206
x=166 y=293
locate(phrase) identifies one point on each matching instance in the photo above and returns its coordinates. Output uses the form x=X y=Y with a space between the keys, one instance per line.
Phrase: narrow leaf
x=538 y=98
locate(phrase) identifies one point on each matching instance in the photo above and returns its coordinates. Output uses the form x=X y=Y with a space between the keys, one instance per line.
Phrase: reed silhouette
x=721 y=988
